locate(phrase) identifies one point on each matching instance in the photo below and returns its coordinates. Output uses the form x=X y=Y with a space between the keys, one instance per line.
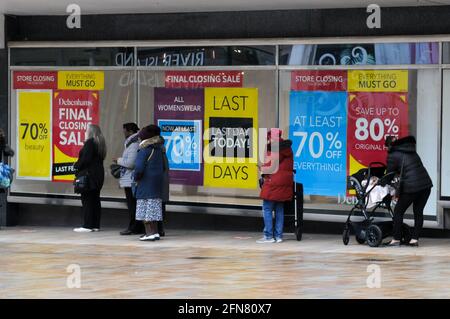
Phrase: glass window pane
x=360 y=54
x=72 y=56
x=117 y=106
x=338 y=125
x=152 y=85
x=207 y=56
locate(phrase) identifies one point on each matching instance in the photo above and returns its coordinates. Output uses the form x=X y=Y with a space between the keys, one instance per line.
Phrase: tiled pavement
x=207 y=264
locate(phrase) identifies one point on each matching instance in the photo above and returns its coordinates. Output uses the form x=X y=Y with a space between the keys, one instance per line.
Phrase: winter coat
x=278 y=186
x=414 y=177
x=127 y=160
x=89 y=160
x=151 y=170
x=5 y=150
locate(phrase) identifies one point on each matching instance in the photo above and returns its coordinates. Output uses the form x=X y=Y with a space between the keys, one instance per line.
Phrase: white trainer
x=279 y=240
x=82 y=230
x=265 y=240
x=148 y=238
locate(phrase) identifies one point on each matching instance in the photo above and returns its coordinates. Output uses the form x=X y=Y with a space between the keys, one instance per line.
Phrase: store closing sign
x=318 y=122
x=379 y=109
x=34 y=122
x=73 y=111
x=231 y=122
x=35 y=80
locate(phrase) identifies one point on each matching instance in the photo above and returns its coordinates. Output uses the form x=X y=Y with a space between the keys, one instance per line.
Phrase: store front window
x=339 y=119
x=337 y=102
x=48 y=140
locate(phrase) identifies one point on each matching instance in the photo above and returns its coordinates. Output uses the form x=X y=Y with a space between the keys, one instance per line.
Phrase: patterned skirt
x=149 y=210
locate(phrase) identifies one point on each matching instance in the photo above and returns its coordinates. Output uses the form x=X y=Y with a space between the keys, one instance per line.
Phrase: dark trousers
x=418 y=200
x=92 y=209
x=136 y=226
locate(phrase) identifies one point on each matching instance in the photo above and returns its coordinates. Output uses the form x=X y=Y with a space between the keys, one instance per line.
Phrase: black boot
x=161 y=229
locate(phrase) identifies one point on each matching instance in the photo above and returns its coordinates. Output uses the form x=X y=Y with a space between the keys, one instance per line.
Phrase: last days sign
x=231 y=123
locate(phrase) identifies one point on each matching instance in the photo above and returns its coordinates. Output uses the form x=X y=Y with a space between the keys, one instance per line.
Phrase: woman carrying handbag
x=90 y=175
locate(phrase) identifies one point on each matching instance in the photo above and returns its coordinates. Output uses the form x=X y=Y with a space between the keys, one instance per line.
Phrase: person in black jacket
x=415 y=185
x=5 y=150
x=90 y=162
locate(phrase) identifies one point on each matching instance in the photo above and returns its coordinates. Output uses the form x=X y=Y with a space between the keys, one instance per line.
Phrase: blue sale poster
x=317 y=128
x=183 y=143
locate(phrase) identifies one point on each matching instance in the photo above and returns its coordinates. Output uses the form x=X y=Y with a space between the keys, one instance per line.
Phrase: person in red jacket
x=277 y=173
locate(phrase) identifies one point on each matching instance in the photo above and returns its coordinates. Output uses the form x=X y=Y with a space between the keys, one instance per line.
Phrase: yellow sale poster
x=378 y=81
x=34 y=122
x=81 y=80
x=231 y=139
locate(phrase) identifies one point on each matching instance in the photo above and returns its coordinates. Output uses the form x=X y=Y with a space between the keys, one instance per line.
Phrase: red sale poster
x=372 y=116
x=73 y=111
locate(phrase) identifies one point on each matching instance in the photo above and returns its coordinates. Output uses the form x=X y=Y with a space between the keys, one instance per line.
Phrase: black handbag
x=116 y=170
x=81 y=183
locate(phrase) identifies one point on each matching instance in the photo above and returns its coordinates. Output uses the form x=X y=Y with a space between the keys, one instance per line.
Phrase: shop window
x=71 y=57
x=206 y=56
x=47 y=141
x=445 y=160
x=189 y=100
x=360 y=54
x=338 y=121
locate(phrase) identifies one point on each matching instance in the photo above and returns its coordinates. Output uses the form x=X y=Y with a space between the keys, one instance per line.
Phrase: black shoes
x=128 y=232
x=392 y=244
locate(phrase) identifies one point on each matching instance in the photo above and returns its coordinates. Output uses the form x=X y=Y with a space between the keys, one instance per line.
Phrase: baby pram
x=364 y=182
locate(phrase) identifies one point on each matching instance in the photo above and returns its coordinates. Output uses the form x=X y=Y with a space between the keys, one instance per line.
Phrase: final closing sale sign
x=231 y=122
x=73 y=111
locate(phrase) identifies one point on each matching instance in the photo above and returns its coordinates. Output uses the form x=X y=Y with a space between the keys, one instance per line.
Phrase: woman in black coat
x=415 y=185
x=90 y=162
x=5 y=150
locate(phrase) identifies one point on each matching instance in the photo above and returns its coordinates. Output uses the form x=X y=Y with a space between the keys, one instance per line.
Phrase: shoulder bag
x=81 y=183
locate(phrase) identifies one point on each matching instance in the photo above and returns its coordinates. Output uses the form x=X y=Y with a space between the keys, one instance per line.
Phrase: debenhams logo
x=77 y=102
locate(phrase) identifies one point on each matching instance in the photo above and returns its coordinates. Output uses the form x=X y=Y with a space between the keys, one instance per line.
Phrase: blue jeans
x=268 y=208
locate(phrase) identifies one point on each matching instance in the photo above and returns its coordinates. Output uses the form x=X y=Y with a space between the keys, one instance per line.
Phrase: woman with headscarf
x=151 y=175
x=415 y=185
x=90 y=164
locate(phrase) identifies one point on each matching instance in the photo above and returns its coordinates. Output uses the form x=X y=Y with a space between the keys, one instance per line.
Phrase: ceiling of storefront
x=58 y=7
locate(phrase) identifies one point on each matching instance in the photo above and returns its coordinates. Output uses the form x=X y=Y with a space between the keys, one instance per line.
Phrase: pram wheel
x=345 y=236
x=360 y=240
x=298 y=233
x=406 y=234
x=374 y=236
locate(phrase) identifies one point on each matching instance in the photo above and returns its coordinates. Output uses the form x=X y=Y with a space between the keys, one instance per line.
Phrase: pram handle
x=377 y=163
